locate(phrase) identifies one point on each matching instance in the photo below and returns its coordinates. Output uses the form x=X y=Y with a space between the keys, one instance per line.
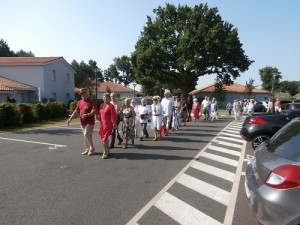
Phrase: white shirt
x=167 y=104
x=143 y=110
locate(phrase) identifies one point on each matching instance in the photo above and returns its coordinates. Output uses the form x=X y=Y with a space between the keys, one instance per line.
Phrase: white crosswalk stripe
x=225 y=150
x=181 y=211
x=214 y=171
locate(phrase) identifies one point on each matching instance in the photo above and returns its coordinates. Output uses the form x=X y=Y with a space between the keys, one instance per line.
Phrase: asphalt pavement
x=46 y=180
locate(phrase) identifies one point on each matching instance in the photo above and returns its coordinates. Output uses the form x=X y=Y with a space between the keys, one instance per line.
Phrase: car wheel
x=258 y=139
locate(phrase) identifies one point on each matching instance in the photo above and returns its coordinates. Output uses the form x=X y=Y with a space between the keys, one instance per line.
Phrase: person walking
x=86 y=109
x=236 y=110
x=270 y=106
x=277 y=106
x=189 y=106
x=250 y=107
x=144 y=113
x=183 y=111
x=115 y=131
x=213 y=109
x=229 y=107
x=168 y=106
x=108 y=122
x=176 y=114
x=137 y=118
x=128 y=122
x=196 y=110
x=157 y=115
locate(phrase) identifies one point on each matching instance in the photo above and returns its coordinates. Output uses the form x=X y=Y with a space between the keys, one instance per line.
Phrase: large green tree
x=182 y=43
x=23 y=53
x=292 y=87
x=270 y=77
x=125 y=72
x=86 y=73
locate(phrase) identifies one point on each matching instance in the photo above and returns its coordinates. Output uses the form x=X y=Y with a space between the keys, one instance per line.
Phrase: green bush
x=39 y=111
x=9 y=115
x=26 y=113
x=72 y=106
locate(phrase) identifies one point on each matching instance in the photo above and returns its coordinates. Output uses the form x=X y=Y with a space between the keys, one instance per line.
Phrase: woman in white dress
x=137 y=118
x=157 y=115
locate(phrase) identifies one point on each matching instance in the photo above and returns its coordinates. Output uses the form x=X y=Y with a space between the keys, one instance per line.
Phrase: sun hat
x=82 y=91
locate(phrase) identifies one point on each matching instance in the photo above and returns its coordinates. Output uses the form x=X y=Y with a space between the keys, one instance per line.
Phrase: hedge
x=20 y=113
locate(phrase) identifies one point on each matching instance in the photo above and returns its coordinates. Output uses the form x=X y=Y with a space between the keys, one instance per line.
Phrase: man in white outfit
x=168 y=106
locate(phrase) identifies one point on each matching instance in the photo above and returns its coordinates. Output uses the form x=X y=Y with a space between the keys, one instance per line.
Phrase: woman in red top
x=196 y=110
x=108 y=119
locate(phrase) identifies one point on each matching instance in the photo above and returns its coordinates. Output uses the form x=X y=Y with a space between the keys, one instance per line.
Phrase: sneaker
x=91 y=152
x=104 y=156
x=85 y=152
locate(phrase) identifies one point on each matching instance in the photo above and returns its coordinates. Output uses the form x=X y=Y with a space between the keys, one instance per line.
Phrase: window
x=53 y=75
x=68 y=77
x=53 y=96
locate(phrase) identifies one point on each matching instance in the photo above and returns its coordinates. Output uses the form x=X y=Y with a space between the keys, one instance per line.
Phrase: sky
x=104 y=29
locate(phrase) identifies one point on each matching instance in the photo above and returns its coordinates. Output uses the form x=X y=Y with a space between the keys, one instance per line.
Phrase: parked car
x=261 y=106
x=260 y=127
x=284 y=103
x=272 y=180
x=291 y=106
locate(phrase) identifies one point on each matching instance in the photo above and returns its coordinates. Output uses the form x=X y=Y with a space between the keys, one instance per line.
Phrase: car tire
x=258 y=139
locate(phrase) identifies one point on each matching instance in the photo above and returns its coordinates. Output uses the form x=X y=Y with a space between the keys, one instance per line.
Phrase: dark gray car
x=272 y=181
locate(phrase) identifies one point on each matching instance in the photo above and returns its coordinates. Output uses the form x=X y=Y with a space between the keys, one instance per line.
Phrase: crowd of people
x=129 y=121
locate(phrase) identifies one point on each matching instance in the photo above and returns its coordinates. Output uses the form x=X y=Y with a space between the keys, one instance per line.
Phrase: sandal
x=155 y=139
x=124 y=147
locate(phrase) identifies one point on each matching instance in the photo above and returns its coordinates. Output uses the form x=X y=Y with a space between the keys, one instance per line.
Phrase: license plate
x=247 y=190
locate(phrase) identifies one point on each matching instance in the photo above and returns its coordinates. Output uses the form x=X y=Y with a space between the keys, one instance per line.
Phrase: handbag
x=163 y=129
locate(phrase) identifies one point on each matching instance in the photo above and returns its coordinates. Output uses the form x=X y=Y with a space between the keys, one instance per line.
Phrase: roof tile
x=11 y=85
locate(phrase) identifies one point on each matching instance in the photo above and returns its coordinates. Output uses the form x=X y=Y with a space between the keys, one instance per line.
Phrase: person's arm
x=74 y=114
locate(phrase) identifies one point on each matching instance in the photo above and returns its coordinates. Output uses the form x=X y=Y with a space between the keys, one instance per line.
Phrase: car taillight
x=284 y=177
x=256 y=120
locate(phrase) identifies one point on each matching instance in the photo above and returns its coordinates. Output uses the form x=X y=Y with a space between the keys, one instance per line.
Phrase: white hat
x=167 y=91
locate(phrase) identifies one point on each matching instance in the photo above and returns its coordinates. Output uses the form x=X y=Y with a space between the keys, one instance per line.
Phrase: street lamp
x=96 y=94
x=134 y=84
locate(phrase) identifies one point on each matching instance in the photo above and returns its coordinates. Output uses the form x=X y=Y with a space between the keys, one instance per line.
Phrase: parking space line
x=34 y=142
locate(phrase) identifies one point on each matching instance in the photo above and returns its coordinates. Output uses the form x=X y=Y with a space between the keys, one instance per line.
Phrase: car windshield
x=285 y=143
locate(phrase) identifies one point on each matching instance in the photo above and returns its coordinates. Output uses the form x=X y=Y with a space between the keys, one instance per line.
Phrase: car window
x=285 y=143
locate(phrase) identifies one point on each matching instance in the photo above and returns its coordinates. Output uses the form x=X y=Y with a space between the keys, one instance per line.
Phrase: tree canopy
x=270 y=77
x=6 y=52
x=181 y=44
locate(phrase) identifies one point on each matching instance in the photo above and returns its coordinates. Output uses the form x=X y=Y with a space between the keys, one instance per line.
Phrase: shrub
x=26 y=113
x=8 y=114
x=39 y=111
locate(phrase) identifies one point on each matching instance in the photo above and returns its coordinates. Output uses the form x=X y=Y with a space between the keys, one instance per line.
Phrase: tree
x=181 y=44
x=294 y=88
x=270 y=77
x=249 y=87
x=125 y=71
x=22 y=53
x=5 y=50
x=86 y=73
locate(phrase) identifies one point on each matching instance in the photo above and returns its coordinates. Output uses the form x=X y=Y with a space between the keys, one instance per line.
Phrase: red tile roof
x=114 y=87
x=231 y=88
x=11 y=85
x=27 y=60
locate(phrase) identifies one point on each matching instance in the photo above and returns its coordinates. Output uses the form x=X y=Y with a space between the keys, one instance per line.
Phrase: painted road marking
x=182 y=212
x=35 y=142
x=227 y=151
x=226 y=175
x=226 y=143
x=220 y=159
x=230 y=139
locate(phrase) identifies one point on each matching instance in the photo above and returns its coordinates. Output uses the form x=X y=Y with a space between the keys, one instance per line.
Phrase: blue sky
x=104 y=29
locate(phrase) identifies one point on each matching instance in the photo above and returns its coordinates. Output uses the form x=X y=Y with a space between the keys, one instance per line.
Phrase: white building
x=52 y=77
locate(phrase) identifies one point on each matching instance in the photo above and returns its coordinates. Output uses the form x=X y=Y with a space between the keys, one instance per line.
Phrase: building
x=120 y=90
x=51 y=77
x=11 y=91
x=232 y=92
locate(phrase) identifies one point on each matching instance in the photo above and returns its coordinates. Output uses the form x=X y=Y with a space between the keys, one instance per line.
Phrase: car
x=272 y=180
x=284 y=103
x=260 y=127
x=291 y=106
x=260 y=106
